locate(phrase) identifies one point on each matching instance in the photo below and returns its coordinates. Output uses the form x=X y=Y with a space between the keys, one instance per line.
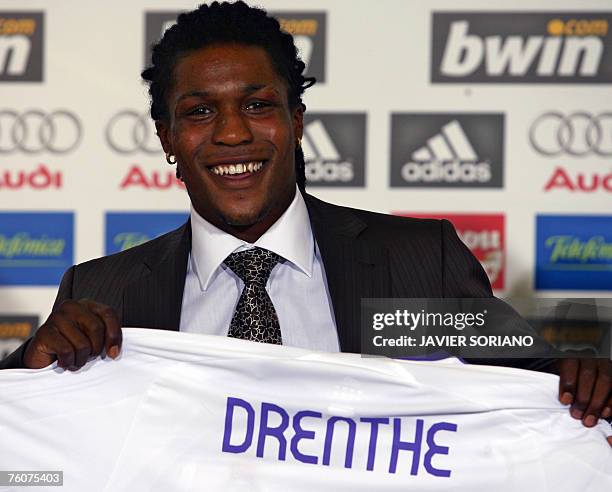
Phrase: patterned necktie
x=255 y=317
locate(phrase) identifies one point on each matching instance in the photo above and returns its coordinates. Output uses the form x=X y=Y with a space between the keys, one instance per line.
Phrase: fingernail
x=567 y=398
x=113 y=351
x=590 y=421
x=606 y=412
x=577 y=414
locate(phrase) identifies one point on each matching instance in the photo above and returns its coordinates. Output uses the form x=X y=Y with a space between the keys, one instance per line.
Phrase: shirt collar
x=290 y=237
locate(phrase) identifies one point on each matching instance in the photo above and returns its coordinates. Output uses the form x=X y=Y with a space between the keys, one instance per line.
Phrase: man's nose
x=231 y=128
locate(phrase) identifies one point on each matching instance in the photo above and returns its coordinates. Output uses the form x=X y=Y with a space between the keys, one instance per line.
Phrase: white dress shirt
x=297 y=286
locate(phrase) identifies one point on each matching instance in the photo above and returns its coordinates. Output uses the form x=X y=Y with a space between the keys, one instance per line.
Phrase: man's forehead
x=249 y=64
x=226 y=69
x=236 y=87
x=226 y=57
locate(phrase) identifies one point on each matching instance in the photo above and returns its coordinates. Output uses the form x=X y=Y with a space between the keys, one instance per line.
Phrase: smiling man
x=259 y=259
x=233 y=134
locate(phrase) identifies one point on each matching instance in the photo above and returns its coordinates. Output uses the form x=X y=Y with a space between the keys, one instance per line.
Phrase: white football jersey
x=180 y=412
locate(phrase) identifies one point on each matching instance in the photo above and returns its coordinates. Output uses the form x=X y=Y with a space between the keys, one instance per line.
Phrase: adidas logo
x=446 y=157
x=323 y=161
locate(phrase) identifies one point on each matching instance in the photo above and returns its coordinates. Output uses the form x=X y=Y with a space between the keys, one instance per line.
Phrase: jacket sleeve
x=15 y=359
x=462 y=274
x=464 y=277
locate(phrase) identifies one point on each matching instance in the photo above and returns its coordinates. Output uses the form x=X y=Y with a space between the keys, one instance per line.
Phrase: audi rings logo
x=577 y=134
x=35 y=131
x=129 y=131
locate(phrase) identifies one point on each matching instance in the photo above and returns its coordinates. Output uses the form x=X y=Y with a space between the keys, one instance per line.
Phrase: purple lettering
x=435 y=449
x=229 y=418
x=277 y=432
x=303 y=434
x=350 y=441
x=399 y=445
x=373 y=438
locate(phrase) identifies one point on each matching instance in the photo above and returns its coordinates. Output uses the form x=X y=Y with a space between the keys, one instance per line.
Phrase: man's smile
x=238 y=169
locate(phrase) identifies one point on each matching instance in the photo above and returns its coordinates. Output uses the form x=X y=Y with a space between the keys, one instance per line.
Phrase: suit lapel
x=356 y=268
x=155 y=299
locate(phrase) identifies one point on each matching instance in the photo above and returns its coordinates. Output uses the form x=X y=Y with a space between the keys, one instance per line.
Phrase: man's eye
x=257 y=105
x=199 y=111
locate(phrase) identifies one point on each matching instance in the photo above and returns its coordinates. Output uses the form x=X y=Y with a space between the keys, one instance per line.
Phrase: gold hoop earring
x=170 y=158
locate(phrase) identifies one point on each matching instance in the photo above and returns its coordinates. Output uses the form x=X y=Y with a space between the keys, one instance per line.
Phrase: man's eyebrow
x=248 y=89
x=193 y=94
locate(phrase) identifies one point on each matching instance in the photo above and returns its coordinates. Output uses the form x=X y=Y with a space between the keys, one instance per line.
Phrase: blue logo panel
x=126 y=230
x=35 y=248
x=574 y=252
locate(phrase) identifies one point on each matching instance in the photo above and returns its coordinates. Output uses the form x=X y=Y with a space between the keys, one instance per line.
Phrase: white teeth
x=243 y=167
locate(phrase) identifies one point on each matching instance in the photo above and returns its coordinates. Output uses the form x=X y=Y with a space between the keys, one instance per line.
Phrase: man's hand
x=586 y=385
x=74 y=332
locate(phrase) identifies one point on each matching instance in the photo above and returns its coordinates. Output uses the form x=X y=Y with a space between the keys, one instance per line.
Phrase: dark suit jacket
x=365 y=255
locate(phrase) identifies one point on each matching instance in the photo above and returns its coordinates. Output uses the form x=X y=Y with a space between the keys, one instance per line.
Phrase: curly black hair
x=224 y=22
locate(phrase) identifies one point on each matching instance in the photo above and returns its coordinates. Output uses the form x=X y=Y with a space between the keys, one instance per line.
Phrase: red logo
x=41 y=178
x=156 y=180
x=484 y=234
x=588 y=182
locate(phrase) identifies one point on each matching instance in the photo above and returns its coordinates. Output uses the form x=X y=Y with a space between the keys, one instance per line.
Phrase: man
x=258 y=259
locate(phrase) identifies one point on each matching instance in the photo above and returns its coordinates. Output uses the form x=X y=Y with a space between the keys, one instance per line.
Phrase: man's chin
x=243 y=218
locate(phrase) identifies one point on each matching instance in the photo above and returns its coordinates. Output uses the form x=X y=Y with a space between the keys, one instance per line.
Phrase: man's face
x=233 y=134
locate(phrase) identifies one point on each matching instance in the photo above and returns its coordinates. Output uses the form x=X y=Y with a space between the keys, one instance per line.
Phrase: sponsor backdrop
x=499 y=120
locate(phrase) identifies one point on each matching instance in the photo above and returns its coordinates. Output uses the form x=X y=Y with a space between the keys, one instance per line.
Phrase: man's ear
x=163 y=132
x=298 y=121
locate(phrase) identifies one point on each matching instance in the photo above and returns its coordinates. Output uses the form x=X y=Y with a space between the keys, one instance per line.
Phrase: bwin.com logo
x=521 y=47
x=334 y=149
x=156 y=24
x=21 y=46
x=309 y=31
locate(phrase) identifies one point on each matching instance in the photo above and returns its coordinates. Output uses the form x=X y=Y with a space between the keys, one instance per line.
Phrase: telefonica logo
x=35 y=248
x=447 y=150
x=125 y=230
x=21 y=46
x=573 y=248
x=334 y=149
x=522 y=47
x=574 y=252
x=308 y=29
x=21 y=244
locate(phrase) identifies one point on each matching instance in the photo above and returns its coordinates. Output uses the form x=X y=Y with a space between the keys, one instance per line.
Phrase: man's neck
x=252 y=232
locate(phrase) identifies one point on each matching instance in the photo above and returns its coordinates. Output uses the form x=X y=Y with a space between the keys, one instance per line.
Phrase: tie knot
x=253 y=265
